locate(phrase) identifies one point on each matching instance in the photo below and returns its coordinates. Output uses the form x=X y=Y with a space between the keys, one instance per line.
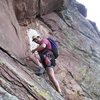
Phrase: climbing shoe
x=40 y=71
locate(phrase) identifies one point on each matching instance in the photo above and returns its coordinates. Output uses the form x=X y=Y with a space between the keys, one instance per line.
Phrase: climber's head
x=36 y=38
x=34 y=35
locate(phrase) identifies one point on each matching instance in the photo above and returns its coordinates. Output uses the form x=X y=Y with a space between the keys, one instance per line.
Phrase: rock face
x=82 y=9
x=29 y=9
x=78 y=65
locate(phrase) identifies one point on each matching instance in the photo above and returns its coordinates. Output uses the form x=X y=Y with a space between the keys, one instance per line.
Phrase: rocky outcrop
x=31 y=8
x=77 y=65
x=94 y=25
x=82 y=9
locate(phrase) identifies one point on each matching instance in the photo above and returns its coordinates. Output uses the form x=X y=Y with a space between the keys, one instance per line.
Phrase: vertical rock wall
x=77 y=66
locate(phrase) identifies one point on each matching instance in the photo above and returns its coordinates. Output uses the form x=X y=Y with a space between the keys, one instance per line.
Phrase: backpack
x=54 y=47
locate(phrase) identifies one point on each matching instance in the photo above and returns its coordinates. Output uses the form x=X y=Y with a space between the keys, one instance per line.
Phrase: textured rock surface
x=78 y=66
x=82 y=9
x=28 y=10
x=17 y=80
x=11 y=39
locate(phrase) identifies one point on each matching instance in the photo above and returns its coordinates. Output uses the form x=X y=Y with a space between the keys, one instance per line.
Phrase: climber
x=47 y=58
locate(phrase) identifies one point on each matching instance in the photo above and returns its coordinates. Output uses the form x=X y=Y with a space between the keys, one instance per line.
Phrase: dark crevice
x=15 y=59
x=39 y=7
x=11 y=74
x=61 y=16
x=29 y=91
x=15 y=30
x=70 y=74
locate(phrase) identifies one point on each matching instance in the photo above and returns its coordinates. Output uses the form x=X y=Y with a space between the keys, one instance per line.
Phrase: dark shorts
x=47 y=59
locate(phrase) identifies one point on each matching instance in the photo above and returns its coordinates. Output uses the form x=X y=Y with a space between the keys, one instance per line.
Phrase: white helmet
x=33 y=33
